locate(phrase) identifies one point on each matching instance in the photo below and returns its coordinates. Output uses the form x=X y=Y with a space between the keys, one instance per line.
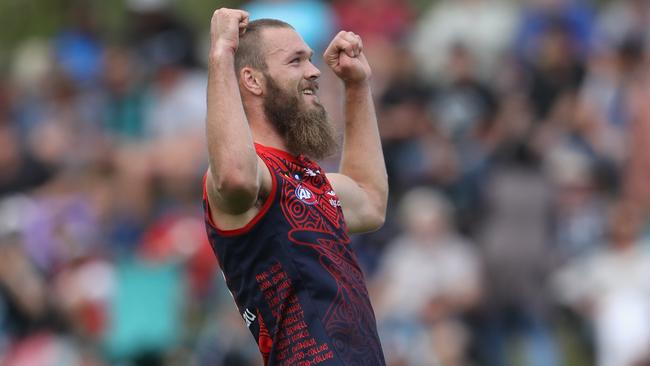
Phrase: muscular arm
x=362 y=182
x=232 y=182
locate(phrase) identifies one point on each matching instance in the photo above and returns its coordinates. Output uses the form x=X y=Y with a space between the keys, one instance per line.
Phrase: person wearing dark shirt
x=278 y=224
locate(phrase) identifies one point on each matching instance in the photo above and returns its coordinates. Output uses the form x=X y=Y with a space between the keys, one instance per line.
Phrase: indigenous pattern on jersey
x=293 y=275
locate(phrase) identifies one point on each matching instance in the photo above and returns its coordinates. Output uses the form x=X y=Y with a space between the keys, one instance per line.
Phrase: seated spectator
x=610 y=289
x=428 y=278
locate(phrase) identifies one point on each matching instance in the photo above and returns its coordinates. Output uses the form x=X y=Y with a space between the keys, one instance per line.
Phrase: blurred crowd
x=514 y=134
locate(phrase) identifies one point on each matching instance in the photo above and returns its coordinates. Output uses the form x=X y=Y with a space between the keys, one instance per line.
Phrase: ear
x=251 y=80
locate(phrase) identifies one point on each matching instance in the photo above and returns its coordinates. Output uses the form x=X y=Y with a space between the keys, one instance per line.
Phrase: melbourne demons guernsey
x=293 y=275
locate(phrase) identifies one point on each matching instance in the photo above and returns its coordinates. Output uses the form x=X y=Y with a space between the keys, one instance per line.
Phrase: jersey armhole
x=246 y=228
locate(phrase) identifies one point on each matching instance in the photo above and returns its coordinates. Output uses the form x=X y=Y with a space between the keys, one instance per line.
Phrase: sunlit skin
x=289 y=62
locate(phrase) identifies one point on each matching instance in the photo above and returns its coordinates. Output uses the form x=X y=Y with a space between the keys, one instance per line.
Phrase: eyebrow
x=301 y=53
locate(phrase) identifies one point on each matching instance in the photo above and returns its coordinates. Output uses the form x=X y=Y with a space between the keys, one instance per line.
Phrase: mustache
x=310 y=84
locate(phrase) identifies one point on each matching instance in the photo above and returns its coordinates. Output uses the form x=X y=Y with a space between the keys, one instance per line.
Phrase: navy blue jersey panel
x=293 y=274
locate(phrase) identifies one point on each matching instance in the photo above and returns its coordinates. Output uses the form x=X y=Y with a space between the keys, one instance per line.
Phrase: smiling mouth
x=310 y=88
x=310 y=96
x=309 y=91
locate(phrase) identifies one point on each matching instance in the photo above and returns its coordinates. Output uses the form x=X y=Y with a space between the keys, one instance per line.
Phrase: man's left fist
x=345 y=57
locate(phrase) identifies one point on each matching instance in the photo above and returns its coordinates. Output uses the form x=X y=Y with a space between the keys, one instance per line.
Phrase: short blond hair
x=251 y=51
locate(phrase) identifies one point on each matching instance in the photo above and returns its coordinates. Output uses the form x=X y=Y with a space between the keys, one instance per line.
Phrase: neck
x=263 y=131
x=265 y=134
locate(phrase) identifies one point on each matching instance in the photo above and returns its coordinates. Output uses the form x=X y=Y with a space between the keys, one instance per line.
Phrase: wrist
x=221 y=57
x=357 y=86
x=222 y=50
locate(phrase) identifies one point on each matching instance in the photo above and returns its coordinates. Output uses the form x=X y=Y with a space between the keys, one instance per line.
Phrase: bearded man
x=278 y=224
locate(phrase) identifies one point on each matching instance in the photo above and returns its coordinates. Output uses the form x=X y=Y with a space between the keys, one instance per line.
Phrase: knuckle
x=221 y=12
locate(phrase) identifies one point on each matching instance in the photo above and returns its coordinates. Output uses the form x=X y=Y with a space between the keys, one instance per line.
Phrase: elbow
x=238 y=192
x=377 y=223
x=371 y=224
x=380 y=217
x=376 y=219
x=239 y=186
x=381 y=207
x=377 y=214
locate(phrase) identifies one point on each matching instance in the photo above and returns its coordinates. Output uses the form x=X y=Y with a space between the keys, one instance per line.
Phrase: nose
x=312 y=72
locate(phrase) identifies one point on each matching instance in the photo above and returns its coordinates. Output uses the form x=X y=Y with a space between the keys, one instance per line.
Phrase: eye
x=295 y=60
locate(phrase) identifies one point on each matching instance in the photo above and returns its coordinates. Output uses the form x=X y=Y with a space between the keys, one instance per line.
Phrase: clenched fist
x=345 y=57
x=225 y=28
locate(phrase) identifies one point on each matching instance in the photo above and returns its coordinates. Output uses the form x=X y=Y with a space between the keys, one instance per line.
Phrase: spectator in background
x=555 y=68
x=174 y=107
x=20 y=169
x=30 y=65
x=624 y=19
x=429 y=277
x=581 y=175
x=50 y=349
x=465 y=112
x=72 y=110
x=484 y=26
x=603 y=111
x=610 y=289
x=637 y=170
x=22 y=289
x=405 y=126
x=464 y=106
x=158 y=35
x=66 y=131
x=60 y=226
x=123 y=114
x=539 y=17
x=514 y=242
x=32 y=332
x=78 y=48
x=579 y=205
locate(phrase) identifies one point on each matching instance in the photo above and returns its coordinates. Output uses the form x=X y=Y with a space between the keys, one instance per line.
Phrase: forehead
x=283 y=42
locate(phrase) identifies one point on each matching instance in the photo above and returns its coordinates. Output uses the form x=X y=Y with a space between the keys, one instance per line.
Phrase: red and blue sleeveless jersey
x=293 y=274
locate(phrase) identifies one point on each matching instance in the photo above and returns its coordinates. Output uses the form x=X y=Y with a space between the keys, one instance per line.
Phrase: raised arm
x=362 y=181
x=232 y=181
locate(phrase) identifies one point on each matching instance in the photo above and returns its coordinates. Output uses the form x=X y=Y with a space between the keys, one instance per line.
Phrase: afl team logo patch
x=305 y=195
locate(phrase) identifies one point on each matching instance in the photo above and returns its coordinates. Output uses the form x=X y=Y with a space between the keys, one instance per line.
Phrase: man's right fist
x=225 y=28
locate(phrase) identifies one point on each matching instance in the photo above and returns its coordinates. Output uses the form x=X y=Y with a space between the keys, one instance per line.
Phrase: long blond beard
x=307 y=131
